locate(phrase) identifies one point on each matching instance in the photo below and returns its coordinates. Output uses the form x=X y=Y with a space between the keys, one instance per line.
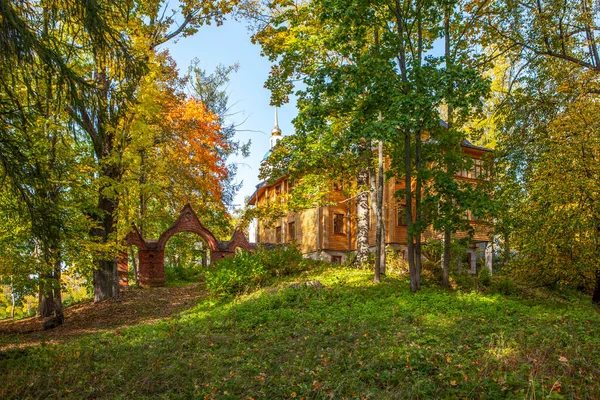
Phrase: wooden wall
x=315 y=227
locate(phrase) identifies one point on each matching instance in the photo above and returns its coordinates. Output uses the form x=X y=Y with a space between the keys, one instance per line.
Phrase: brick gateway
x=151 y=266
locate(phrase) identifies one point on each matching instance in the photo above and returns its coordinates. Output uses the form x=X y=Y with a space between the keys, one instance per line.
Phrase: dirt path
x=135 y=307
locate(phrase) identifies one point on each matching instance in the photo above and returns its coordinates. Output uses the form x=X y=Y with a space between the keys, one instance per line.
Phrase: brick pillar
x=216 y=255
x=151 y=270
x=123 y=269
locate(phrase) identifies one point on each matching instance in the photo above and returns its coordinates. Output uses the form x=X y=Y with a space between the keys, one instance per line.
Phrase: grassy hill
x=351 y=339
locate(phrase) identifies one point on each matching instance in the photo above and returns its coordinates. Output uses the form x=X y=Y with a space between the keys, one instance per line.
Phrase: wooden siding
x=315 y=227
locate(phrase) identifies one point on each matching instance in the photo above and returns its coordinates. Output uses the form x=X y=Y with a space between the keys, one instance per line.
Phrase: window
x=278 y=190
x=475 y=171
x=278 y=234
x=336 y=259
x=465 y=173
x=338 y=223
x=291 y=231
x=401 y=216
x=465 y=215
x=477 y=168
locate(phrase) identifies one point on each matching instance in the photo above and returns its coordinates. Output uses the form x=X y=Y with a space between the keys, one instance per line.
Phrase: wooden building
x=329 y=232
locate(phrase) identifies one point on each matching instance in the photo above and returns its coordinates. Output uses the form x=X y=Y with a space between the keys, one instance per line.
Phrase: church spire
x=276 y=131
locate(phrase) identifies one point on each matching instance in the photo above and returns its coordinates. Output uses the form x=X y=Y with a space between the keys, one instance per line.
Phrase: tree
x=77 y=85
x=178 y=152
x=337 y=114
x=551 y=50
x=368 y=63
x=116 y=72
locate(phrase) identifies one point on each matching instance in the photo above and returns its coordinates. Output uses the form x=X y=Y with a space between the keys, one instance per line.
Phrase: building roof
x=467 y=144
x=276 y=131
x=253 y=198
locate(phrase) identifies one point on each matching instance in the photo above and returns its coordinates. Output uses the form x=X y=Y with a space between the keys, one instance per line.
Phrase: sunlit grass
x=350 y=339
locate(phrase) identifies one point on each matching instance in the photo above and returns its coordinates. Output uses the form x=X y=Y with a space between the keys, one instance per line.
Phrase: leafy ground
x=351 y=339
x=135 y=307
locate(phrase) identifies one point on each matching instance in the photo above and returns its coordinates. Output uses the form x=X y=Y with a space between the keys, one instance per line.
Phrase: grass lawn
x=351 y=339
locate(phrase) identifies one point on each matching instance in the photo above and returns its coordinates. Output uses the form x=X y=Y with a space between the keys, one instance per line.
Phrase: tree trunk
x=446 y=259
x=106 y=280
x=50 y=298
x=362 y=222
x=380 y=189
x=447 y=231
x=419 y=215
x=12 y=299
x=409 y=220
x=46 y=297
x=418 y=164
x=379 y=238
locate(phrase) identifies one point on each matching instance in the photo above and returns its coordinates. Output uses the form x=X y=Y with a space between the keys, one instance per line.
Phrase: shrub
x=464 y=280
x=248 y=271
x=506 y=287
x=179 y=273
x=485 y=277
x=431 y=272
x=395 y=262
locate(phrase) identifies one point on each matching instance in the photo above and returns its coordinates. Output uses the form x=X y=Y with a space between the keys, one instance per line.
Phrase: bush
x=485 y=277
x=247 y=271
x=506 y=287
x=179 y=273
x=464 y=280
x=431 y=272
x=395 y=263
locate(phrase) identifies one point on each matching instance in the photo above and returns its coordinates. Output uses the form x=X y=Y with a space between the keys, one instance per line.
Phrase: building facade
x=329 y=232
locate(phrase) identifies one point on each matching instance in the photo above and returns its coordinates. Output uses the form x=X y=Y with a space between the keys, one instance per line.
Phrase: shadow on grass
x=352 y=339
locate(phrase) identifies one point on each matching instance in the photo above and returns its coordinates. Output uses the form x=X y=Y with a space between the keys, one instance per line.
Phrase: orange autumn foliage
x=195 y=150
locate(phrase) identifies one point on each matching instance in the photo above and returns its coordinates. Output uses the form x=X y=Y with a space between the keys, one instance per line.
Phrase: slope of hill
x=349 y=339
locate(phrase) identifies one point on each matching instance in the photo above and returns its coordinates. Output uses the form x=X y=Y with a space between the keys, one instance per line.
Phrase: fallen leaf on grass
x=563 y=359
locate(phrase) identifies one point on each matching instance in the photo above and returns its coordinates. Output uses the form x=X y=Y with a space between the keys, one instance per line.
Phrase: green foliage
x=247 y=271
x=485 y=277
x=75 y=288
x=184 y=255
x=505 y=286
x=352 y=339
x=177 y=273
x=394 y=262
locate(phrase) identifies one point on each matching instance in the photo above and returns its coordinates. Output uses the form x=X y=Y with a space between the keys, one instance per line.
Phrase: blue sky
x=227 y=45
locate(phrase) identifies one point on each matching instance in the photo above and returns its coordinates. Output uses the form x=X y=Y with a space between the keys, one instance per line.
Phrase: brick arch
x=151 y=271
x=188 y=222
x=135 y=238
x=238 y=240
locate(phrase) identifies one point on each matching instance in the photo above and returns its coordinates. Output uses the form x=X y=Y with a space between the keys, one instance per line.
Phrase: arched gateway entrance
x=151 y=270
